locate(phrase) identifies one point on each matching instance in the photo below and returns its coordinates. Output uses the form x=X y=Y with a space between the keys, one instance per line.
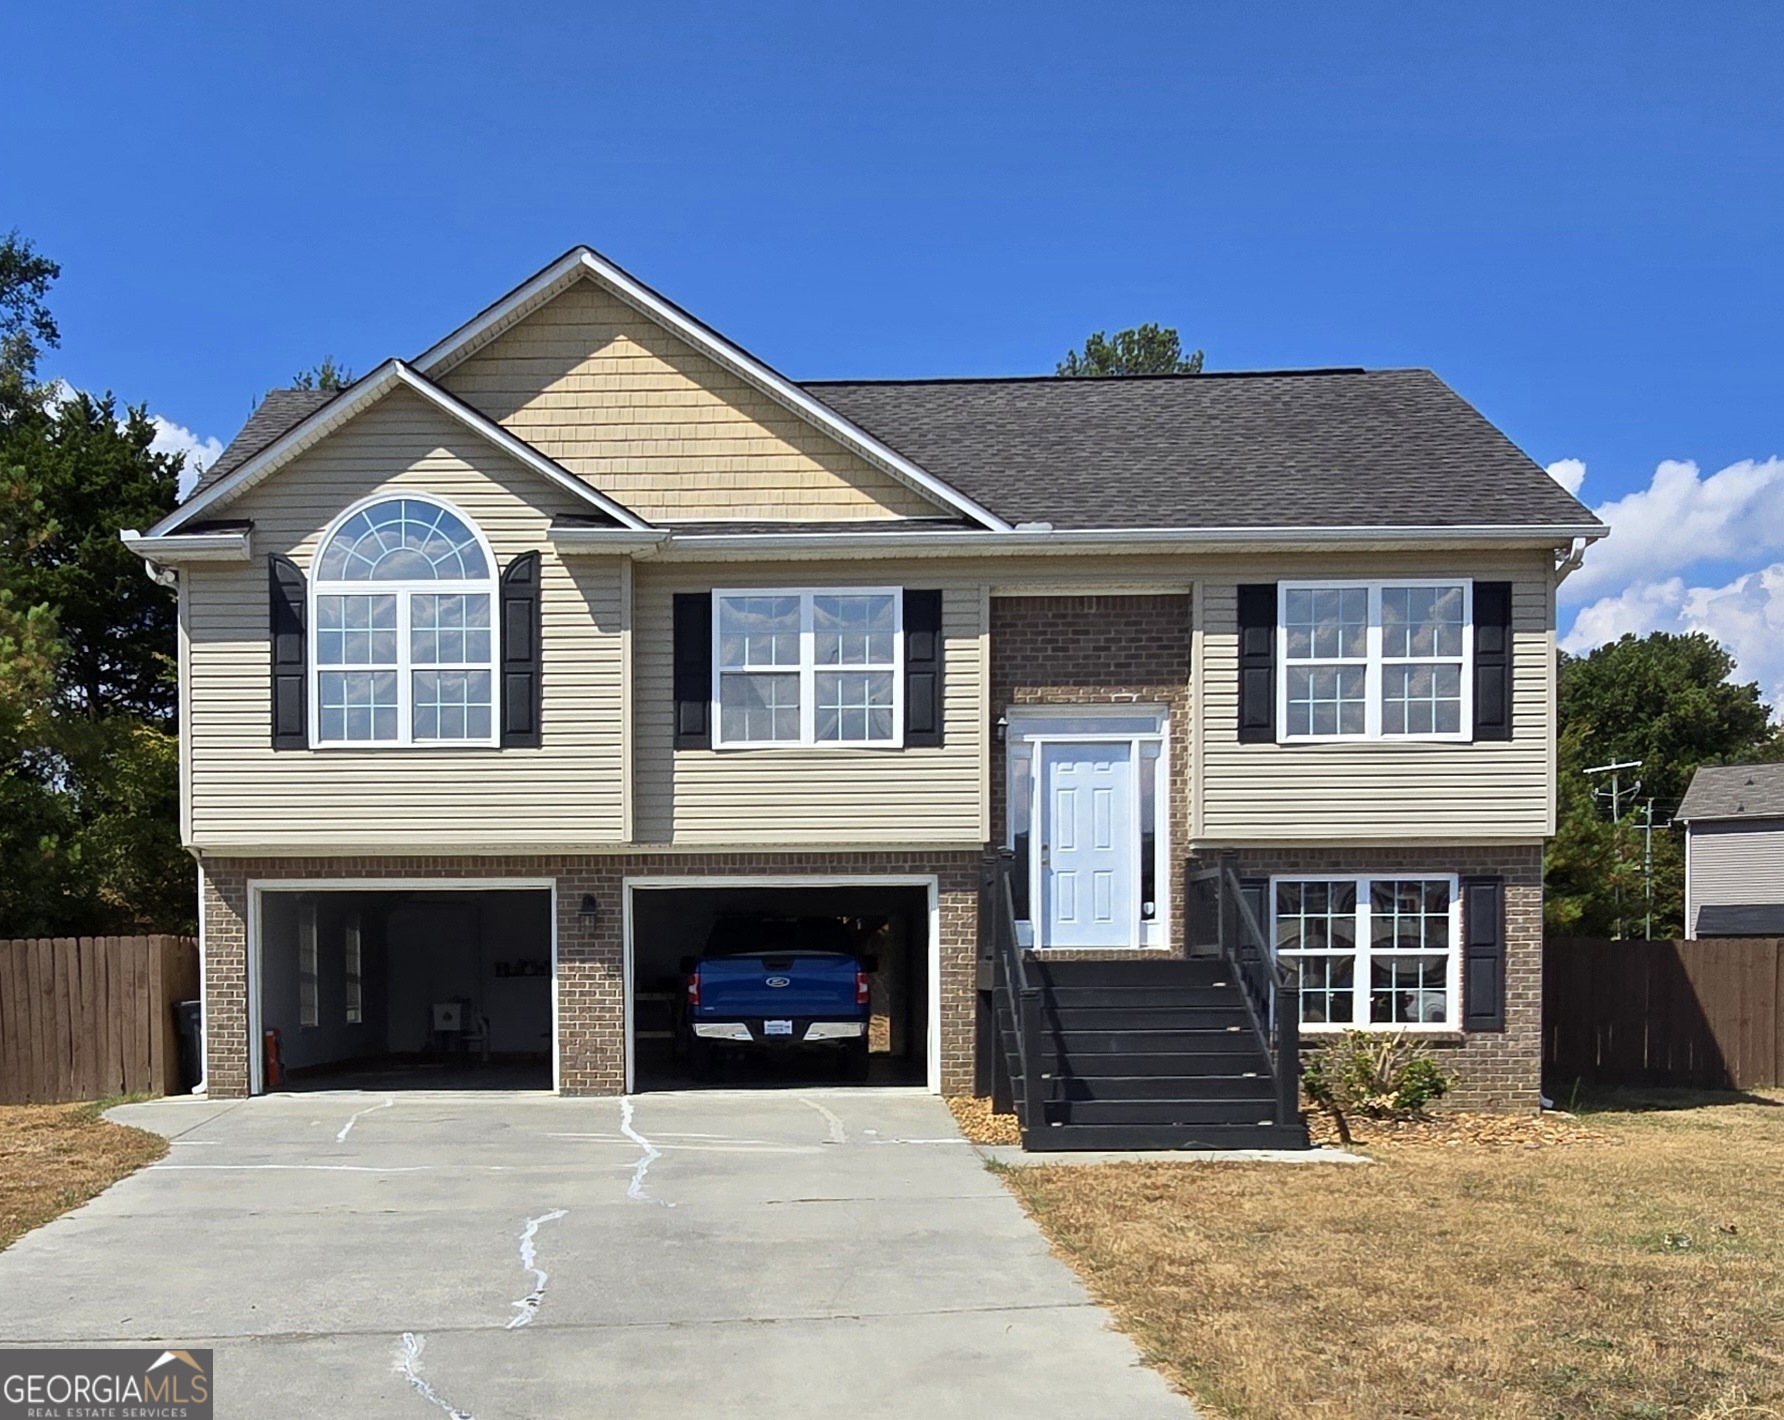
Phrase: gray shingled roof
x=1758 y=919
x=1735 y=791
x=1341 y=448
x=1333 y=448
x=279 y=411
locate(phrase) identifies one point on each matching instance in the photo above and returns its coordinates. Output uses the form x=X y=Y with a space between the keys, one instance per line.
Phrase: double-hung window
x=808 y=667
x=1375 y=660
x=1372 y=952
x=405 y=649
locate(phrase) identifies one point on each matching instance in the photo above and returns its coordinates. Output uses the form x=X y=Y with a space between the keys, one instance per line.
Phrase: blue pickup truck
x=778 y=984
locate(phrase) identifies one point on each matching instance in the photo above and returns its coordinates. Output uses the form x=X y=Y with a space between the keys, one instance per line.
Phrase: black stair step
x=1167 y=1111
x=1257 y=1086
x=1158 y=1062
x=1073 y=997
x=1190 y=1040
x=1123 y=1018
x=1169 y=971
x=1079 y=1137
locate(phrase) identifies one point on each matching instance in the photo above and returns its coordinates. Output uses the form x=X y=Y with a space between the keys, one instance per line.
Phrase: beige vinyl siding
x=244 y=795
x=1379 y=791
x=617 y=399
x=843 y=796
x=1735 y=865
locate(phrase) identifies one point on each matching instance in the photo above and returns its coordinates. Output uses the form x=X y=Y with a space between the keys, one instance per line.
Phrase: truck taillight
x=861 y=993
x=694 y=989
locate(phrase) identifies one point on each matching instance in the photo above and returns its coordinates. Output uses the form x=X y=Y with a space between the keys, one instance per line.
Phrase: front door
x=1087 y=852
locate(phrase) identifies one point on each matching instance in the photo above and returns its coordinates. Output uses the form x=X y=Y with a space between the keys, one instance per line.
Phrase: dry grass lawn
x=55 y=1157
x=1632 y=1267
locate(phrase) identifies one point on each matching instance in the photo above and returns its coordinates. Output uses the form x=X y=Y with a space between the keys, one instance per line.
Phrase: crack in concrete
x=635 y=1189
x=408 y=1362
x=528 y=1306
x=347 y=1128
x=837 y=1134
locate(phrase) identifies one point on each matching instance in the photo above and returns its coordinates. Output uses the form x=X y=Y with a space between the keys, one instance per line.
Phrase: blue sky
x=1572 y=213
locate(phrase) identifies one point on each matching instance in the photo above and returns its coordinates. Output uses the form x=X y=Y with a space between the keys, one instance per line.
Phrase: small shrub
x=1381 y=1076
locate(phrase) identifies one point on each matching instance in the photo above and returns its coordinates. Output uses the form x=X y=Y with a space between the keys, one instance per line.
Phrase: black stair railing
x=1270 y=990
x=1021 y=997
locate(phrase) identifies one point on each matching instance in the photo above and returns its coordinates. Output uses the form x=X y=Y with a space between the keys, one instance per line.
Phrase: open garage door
x=410 y=988
x=769 y=944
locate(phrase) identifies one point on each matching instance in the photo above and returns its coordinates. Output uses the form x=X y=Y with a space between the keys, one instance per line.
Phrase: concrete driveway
x=516 y=1257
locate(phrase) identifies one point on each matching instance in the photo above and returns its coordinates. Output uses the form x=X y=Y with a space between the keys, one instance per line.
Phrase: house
x=508 y=670
x=1734 y=851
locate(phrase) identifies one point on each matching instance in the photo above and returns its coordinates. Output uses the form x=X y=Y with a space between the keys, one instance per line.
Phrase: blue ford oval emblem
x=778 y=981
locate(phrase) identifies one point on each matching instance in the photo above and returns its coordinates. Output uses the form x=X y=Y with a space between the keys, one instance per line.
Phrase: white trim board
x=584 y=261
x=258 y=886
x=931 y=882
x=355 y=400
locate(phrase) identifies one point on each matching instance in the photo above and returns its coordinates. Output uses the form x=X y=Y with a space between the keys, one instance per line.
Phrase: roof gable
x=217 y=489
x=584 y=264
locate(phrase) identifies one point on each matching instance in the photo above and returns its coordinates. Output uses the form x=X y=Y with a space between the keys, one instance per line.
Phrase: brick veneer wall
x=1097 y=650
x=591 y=971
x=1499 y=1070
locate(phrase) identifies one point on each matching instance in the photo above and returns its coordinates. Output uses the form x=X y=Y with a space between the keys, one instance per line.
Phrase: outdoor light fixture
x=1002 y=727
x=590 y=909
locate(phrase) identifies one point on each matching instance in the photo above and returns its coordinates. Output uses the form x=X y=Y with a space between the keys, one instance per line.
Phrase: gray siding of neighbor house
x=1733 y=864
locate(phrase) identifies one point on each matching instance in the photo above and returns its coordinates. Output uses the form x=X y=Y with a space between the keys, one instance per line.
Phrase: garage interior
x=413 y=989
x=890 y=924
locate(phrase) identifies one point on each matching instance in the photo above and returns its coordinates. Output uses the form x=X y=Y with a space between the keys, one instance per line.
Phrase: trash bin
x=186 y=1020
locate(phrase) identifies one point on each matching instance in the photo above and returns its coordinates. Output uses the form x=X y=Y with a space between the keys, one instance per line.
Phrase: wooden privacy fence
x=1708 y=1013
x=86 y=1017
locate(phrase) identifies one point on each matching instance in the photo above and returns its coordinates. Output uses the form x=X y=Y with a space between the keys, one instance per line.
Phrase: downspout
x=1569 y=562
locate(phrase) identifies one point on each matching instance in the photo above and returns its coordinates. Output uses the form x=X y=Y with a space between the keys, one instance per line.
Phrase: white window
x=355 y=1010
x=1375 y=660
x=809 y=667
x=402 y=634
x=1372 y=952
x=309 y=1012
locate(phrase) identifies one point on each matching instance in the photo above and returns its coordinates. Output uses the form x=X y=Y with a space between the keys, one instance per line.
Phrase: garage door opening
x=417 y=988
x=886 y=928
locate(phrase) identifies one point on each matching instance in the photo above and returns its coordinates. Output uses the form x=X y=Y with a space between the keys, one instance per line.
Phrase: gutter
x=619 y=542
x=229 y=546
x=1026 y=540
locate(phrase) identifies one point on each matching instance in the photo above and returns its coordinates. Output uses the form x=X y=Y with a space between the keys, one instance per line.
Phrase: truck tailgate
x=798 y=984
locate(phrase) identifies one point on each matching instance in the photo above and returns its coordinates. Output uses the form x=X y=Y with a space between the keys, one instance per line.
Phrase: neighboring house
x=1734 y=851
x=510 y=668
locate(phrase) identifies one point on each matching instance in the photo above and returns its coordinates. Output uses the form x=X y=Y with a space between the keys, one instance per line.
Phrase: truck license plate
x=777 y=1028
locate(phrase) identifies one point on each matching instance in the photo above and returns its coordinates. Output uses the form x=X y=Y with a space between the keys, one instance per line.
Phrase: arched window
x=404 y=641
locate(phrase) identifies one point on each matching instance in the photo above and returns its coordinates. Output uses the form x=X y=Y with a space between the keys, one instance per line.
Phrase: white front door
x=1087 y=849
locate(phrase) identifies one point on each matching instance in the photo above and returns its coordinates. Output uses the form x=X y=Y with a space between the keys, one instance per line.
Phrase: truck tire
x=701 y=1059
x=854 y=1061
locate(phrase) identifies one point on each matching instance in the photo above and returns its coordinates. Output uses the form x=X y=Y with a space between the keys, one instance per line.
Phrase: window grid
x=808 y=668
x=404 y=662
x=1407 y=679
x=1372 y=953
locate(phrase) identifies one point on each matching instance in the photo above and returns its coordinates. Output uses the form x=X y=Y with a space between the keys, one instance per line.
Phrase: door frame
x=930 y=882
x=1028 y=726
x=259 y=886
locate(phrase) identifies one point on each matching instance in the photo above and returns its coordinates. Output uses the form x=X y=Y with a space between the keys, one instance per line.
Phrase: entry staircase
x=1199 y=1052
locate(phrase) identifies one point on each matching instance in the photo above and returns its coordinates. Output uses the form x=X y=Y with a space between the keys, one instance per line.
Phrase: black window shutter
x=693 y=670
x=1492 y=660
x=1483 y=953
x=922 y=669
x=522 y=655
x=1257 y=663
x=290 y=654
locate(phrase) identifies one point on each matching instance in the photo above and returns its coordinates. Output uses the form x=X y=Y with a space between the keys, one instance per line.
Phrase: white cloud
x=1681 y=520
x=1745 y=614
x=1569 y=473
x=171 y=438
